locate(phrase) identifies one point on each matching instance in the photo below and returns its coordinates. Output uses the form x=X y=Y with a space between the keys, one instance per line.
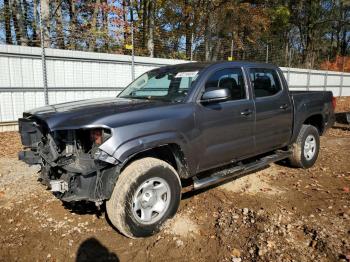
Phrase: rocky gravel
x=277 y=214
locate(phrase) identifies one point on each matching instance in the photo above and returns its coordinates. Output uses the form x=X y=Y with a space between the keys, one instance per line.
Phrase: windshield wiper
x=136 y=97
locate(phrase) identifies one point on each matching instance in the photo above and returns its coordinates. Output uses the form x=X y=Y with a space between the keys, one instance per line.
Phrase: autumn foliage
x=288 y=33
x=340 y=63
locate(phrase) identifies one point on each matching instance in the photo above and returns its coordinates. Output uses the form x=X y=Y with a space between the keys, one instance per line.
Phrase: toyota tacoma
x=194 y=124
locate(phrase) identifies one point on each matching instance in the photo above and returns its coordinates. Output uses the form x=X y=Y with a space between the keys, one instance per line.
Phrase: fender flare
x=132 y=147
x=299 y=124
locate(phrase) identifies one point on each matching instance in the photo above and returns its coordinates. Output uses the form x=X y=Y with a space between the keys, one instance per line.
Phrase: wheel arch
x=171 y=153
x=317 y=121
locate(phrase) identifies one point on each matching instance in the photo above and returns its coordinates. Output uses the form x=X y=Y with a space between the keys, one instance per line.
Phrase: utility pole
x=43 y=57
x=232 y=49
x=267 y=53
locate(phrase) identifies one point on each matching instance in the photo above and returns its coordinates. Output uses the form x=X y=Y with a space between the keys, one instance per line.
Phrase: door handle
x=246 y=112
x=284 y=106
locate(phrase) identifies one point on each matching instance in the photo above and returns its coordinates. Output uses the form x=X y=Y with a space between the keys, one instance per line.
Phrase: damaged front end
x=72 y=164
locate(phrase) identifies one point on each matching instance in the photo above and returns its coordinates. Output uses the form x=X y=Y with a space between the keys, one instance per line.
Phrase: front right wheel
x=146 y=194
x=306 y=147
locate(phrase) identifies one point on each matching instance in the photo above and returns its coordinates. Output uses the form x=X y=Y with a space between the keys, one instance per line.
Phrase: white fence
x=74 y=75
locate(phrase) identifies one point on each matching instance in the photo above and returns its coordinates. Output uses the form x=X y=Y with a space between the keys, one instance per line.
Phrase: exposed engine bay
x=72 y=165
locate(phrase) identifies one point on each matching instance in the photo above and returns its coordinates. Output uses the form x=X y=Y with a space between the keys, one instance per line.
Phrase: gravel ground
x=277 y=214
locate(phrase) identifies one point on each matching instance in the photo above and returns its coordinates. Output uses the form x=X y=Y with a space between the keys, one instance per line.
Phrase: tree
x=302 y=33
x=279 y=35
x=16 y=22
x=340 y=63
x=151 y=25
x=72 y=24
x=45 y=20
x=35 y=23
x=310 y=17
x=188 y=20
x=57 y=16
x=92 y=40
x=7 y=21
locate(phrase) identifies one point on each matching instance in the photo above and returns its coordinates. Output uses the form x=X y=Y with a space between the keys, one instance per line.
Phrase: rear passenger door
x=273 y=125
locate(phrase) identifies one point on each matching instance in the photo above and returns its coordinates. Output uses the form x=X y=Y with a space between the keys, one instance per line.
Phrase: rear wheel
x=306 y=147
x=147 y=193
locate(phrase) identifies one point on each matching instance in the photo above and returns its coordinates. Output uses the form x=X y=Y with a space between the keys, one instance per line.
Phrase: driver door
x=226 y=128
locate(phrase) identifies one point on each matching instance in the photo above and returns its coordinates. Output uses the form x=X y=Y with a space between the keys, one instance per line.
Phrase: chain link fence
x=166 y=45
x=102 y=27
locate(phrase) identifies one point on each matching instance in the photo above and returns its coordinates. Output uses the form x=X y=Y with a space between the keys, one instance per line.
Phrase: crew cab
x=198 y=122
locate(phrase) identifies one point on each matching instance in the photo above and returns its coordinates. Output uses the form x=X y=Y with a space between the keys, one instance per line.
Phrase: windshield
x=163 y=84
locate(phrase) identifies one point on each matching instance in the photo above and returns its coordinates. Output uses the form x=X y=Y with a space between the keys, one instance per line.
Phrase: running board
x=238 y=170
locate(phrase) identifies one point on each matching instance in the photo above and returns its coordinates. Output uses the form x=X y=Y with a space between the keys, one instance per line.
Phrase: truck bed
x=312 y=103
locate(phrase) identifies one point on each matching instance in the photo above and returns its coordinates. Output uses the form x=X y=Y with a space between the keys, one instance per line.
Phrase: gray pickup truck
x=196 y=124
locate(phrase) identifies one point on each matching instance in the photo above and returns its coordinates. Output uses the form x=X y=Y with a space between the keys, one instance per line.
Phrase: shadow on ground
x=84 y=207
x=92 y=250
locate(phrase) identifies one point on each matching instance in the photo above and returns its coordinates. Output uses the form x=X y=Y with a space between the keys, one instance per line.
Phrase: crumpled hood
x=91 y=112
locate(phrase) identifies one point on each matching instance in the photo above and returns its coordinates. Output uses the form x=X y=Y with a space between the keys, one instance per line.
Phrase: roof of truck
x=201 y=65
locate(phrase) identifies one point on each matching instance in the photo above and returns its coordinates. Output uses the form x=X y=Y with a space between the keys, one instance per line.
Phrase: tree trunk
x=188 y=33
x=150 y=43
x=8 y=38
x=144 y=22
x=285 y=45
x=21 y=22
x=105 y=25
x=92 y=40
x=35 y=24
x=45 y=16
x=17 y=27
x=286 y=54
x=26 y=22
x=344 y=43
x=216 y=50
x=207 y=32
x=72 y=25
x=59 y=24
x=344 y=28
x=308 y=51
x=188 y=42
x=207 y=43
x=125 y=22
x=331 y=44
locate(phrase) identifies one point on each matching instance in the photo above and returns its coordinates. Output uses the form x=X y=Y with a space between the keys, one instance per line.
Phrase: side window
x=265 y=82
x=230 y=78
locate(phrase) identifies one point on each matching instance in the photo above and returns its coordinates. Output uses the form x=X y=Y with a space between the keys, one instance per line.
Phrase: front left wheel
x=147 y=193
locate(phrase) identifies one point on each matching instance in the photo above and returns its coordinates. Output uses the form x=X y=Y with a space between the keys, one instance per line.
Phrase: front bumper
x=95 y=187
x=74 y=178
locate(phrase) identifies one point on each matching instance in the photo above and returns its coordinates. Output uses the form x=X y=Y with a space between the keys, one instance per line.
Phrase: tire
x=306 y=147
x=138 y=205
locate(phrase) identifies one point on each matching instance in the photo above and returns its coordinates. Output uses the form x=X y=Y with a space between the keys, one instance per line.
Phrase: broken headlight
x=103 y=156
x=98 y=136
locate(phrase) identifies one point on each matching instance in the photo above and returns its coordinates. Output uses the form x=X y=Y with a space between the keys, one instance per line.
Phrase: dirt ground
x=343 y=104
x=277 y=214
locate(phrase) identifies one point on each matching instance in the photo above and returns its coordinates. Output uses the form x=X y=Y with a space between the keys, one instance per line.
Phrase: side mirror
x=216 y=95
